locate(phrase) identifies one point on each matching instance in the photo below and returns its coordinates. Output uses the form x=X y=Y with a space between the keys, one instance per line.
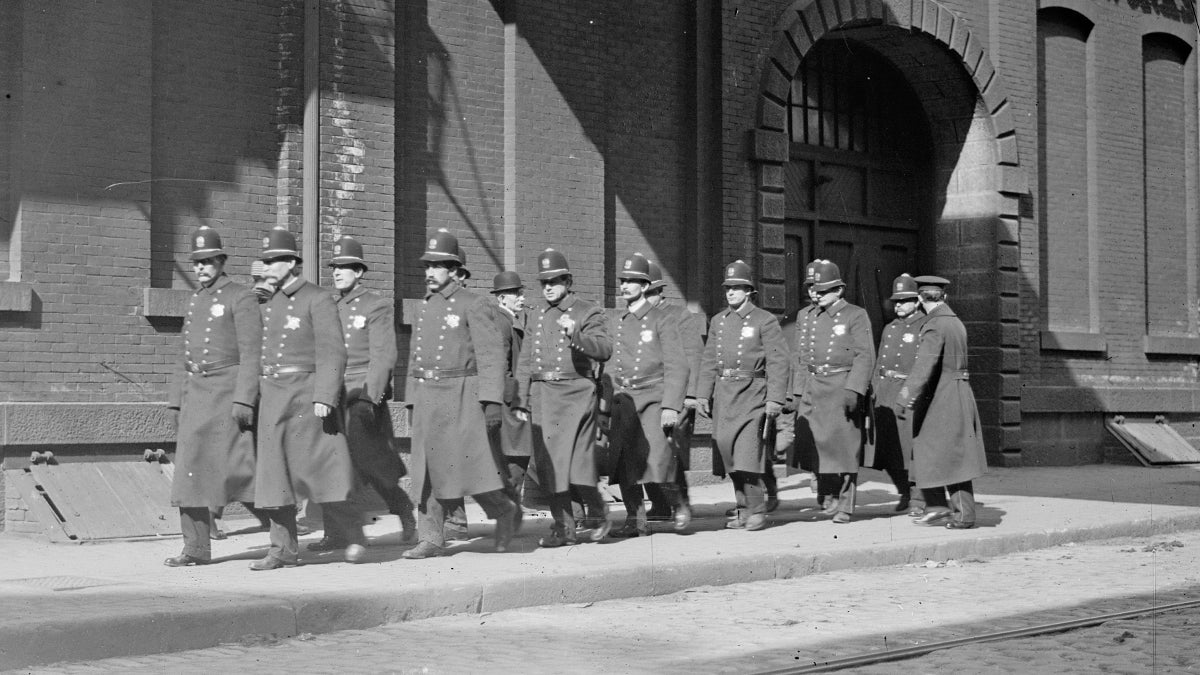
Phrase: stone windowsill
x=1162 y=345
x=1073 y=341
x=16 y=296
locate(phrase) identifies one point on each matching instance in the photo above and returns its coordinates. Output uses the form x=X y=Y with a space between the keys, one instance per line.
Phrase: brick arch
x=977 y=227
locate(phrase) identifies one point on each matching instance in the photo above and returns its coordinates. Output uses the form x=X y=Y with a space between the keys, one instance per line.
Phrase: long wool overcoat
x=370 y=338
x=834 y=353
x=301 y=455
x=214 y=458
x=563 y=411
x=891 y=443
x=948 y=440
x=516 y=437
x=646 y=346
x=748 y=340
x=451 y=450
x=691 y=333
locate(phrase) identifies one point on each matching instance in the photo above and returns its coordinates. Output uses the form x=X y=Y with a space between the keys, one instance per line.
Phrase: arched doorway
x=858 y=186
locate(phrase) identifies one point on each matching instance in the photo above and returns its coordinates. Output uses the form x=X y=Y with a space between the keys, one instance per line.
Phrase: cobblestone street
x=776 y=624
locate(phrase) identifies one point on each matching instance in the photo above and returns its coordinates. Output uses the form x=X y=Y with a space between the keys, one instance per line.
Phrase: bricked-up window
x=1165 y=104
x=1068 y=282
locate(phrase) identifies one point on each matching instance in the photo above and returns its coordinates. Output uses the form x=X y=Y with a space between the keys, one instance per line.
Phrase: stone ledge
x=1073 y=341
x=1059 y=399
x=16 y=296
x=1159 y=345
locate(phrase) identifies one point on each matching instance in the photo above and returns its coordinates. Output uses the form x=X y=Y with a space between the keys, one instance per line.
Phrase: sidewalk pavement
x=61 y=602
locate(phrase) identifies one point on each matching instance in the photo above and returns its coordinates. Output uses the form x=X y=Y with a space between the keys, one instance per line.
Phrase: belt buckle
x=552 y=376
x=268 y=370
x=192 y=367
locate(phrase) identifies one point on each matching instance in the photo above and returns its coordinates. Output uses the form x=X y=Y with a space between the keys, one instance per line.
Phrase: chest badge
x=839 y=329
x=747 y=331
x=452 y=320
x=647 y=336
x=217 y=310
x=293 y=322
x=358 y=321
x=908 y=337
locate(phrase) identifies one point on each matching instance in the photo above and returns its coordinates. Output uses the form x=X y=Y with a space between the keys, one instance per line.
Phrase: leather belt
x=826 y=369
x=358 y=369
x=555 y=376
x=440 y=373
x=894 y=374
x=637 y=382
x=268 y=371
x=203 y=369
x=735 y=374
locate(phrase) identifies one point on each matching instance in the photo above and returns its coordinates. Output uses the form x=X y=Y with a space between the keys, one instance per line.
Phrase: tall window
x=1068 y=246
x=1165 y=139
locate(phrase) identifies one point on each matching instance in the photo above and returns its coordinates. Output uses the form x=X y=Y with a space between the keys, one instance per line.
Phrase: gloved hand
x=789 y=406
x=493 y=415
x=774 y=408
x=669 y=419
x=703 y=406
x=850 y=401
x=243 y=415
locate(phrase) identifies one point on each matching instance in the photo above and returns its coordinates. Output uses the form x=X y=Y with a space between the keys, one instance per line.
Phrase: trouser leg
x=828 y=487
x=456 y=518
x=285 y=544
x=593 y=503
x=682 y=484
x=916 y=497
x=264 y=519
x=563 y=512
x=659 y=507
x=517 y=467
x=935 y=498
x=962 y=500
x=770 y=482
x=739 y=493
x=499 y=506
x=195 y=525
x=899 y=479
x=846 y=492
x=634 y=497
x=754 y=493
x=343 y=522
x=431 y=516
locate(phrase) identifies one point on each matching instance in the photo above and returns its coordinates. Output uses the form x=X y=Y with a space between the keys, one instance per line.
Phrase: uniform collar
x=565 y=303
x=220 y=282
x=356 y=292
x=449 y=290
x=294 y=285
x=835 y=307
x=744 y=310
x=914 y=317
x=942 y=310
x=641 y=311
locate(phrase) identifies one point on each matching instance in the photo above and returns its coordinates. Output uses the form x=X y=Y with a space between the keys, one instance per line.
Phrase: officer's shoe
x=772 y=503
x=959 y=525
x=683 y=517
x=556 y=539
x=731 y=513
x=355 y=553
x=455 y=533
x=184 y=560
x=270 y=563
x=933 y=518
x=506 y=523
x=327 y=543
x=916 y=512
x=902 y=505
x=629 y=530
x=423 y=550
x=756 y=522
x=601 y=527
x=841 y=518
x=831 y=507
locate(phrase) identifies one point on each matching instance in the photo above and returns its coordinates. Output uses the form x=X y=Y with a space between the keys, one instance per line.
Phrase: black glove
x=493 y=415
x=850 y=402
x=243 y=415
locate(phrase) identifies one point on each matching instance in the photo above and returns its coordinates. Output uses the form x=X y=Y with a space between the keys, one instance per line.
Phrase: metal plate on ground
x=88 y=501
x=1153 y=443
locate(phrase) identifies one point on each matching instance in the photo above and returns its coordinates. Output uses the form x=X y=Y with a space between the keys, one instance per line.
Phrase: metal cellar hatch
x=1153 y=443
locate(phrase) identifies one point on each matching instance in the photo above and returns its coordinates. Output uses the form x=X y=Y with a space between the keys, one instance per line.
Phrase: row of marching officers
x=282 y=397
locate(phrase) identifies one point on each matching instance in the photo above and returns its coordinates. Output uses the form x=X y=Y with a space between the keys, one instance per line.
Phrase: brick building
x=1042 y=155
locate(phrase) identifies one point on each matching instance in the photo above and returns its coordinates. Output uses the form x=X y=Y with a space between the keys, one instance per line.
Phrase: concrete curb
x=197 y=619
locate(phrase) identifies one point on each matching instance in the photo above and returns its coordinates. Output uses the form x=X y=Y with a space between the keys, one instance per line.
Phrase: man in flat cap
x=691 y=332
x=370 y=339
x=647 y=377
x=566 y=340
x=892 y=450
x=948 y=449
x=302 y=450
x=456 y=372
x=516 y=438
x=745 y=376
x=835 y=356
x=214 y=394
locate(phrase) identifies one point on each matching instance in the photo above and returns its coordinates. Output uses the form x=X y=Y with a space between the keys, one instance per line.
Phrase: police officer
x=691 y=332
x=745 y=375
x=948 y=449
x=835 y=356
x=566 y=339
x=516 y=438
x=647 y=378
x=302 y=451
x=214 y=395
x=456 y=369
x=892 y=449
x=370 y=340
